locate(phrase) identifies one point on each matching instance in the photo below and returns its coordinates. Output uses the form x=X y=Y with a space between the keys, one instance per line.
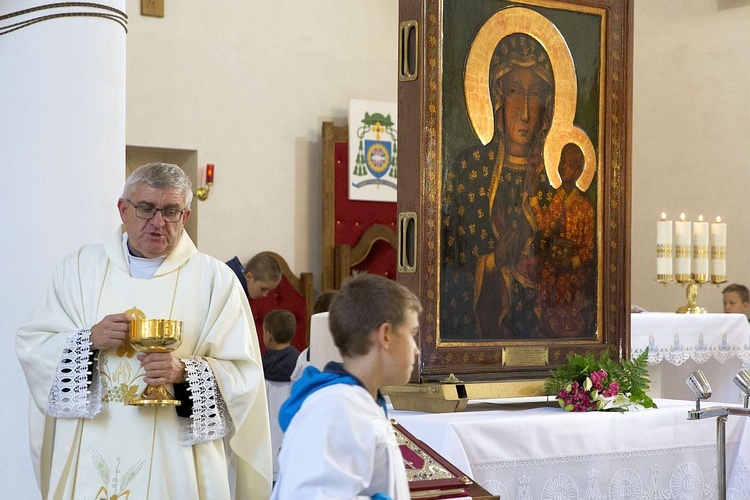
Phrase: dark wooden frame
x=347 y=256
x=420 y=137
x=330 y=136
x=350 y=227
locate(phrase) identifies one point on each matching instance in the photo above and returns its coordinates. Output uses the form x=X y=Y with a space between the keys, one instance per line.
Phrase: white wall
x=691 y=130
x=248 y=85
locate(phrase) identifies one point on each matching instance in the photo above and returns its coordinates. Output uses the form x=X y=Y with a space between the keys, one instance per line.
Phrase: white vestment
x=98 y=446
x=277 y=393
x=340 y=445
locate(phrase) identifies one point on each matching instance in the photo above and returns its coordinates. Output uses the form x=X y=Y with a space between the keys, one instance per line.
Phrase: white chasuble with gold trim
x=135 y=452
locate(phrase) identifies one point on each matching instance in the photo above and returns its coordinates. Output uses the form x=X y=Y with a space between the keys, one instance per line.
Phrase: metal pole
x=702 y=390
x=721 y=452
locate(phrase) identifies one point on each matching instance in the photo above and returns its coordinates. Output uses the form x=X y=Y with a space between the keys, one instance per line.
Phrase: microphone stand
x=721 y=413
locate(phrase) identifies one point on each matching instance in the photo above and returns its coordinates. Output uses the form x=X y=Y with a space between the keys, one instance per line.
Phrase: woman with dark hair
x=491 y=244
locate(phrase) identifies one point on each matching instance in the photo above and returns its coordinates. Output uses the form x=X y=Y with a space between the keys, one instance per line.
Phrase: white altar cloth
x=679 y=344
x=530 y=452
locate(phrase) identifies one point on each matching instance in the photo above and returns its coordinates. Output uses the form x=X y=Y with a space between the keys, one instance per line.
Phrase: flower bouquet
x=587 y=383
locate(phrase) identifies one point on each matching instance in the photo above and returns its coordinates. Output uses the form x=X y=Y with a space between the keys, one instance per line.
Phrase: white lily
x=620 y=402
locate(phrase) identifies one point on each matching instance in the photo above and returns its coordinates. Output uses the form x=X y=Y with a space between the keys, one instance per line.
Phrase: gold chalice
x=155 y=335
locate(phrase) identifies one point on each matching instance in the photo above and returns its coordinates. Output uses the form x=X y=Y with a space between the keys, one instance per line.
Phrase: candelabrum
x=696 y=249
x=691 y=293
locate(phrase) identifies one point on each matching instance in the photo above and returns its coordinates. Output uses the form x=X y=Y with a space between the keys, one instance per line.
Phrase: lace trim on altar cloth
x=677 y=352
x=76 y=392
x=651 y=474
x=210 y=419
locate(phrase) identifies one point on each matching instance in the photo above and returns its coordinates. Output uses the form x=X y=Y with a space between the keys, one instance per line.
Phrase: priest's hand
x=162 y=368
x=110 y=331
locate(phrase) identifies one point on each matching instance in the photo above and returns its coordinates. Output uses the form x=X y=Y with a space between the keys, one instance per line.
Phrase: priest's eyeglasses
x=148 y=212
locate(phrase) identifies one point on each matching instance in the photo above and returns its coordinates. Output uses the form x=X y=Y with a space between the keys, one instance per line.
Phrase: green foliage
x=631 y=374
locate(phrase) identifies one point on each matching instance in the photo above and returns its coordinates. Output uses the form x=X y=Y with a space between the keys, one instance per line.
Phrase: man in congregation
x=82 y=371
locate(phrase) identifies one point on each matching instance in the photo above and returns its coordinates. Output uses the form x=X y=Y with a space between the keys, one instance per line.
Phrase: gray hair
x=159 y=176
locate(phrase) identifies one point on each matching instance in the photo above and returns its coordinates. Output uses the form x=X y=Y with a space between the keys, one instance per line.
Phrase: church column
x=62 y=157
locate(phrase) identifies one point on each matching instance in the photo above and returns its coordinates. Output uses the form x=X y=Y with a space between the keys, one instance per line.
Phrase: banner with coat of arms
x=373 y=166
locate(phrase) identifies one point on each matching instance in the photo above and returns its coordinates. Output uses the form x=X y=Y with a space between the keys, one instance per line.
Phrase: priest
x=82 y=371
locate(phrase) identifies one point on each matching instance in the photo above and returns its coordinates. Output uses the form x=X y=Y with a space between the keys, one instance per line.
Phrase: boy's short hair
x=740 y=290
x=365 y=302
x=323 y=301
x=263 y=267
x=281 y=324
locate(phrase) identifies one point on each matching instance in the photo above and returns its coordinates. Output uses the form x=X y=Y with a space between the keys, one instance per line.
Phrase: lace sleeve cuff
x=76 y=391
x=210 y=419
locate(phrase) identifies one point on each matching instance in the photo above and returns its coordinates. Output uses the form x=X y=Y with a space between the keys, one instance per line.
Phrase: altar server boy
x=338 y=441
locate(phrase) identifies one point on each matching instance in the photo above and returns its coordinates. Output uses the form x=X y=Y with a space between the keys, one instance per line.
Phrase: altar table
x=679 y=344
x=525 y=451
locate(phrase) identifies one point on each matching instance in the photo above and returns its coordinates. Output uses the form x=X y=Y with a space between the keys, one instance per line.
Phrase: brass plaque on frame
x=525 y=356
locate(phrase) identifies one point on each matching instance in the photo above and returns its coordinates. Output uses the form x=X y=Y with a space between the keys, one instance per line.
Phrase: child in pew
x=736 y=299
x=280 y=356
x=260 y=275
x=323 y=301
x=338 y=441
x=263 y=274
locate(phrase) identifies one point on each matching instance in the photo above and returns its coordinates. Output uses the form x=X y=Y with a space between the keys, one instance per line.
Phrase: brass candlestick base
x=691 y=291
x=155 y=335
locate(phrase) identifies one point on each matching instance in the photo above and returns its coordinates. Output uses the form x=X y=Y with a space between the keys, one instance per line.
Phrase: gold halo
x=477 y=90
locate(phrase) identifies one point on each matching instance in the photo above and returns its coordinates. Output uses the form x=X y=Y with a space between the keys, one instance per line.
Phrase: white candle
x=664 y=249
x=700 y=251
x=718 y=242
x=682 y=249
